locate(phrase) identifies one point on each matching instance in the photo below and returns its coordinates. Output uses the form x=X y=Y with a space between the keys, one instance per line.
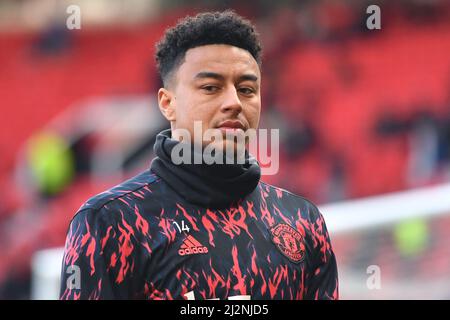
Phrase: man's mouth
x=231 y=125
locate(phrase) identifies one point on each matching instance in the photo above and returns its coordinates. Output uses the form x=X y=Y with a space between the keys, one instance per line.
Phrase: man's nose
x=231 y=102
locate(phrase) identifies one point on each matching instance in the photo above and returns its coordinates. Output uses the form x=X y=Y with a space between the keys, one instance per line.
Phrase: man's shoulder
x=293 y=207
x=288 y=198
x=135 y=189
x=291 y=204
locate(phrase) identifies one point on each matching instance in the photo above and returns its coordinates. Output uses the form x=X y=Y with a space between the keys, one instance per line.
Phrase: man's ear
x=166 y=102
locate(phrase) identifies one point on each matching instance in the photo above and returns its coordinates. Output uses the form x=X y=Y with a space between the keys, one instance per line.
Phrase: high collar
x=209 y=185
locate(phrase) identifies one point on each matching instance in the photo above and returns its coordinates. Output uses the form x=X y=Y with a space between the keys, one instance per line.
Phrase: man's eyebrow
x=207 y=74
x=217 y=76
x=248 y=77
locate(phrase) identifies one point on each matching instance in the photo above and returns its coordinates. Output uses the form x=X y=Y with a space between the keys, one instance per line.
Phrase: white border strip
x=386 y=209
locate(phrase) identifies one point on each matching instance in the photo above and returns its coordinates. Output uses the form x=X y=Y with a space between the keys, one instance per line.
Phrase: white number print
x=183 y=227
x=191 y=296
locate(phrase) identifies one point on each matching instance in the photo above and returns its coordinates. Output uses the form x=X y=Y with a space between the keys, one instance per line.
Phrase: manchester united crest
x=289 y=241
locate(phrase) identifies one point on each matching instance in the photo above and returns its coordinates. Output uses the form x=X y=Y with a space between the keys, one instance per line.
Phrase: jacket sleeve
x=322 y=282
x=98 y=259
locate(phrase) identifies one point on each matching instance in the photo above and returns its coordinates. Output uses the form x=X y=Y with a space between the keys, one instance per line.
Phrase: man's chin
x=228 y=148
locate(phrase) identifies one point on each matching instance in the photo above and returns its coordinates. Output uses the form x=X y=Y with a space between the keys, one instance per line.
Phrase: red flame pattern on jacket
x=126 y=246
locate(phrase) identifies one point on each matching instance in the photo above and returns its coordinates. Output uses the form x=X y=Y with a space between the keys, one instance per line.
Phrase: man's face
x=218 y=85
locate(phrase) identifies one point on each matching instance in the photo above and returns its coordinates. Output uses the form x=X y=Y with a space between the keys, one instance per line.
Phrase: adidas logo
x=191 y=246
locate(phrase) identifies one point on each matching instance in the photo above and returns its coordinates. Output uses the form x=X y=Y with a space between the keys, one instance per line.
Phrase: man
x=201 y=231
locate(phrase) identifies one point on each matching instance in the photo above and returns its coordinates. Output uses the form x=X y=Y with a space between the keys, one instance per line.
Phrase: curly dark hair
x=225 y=27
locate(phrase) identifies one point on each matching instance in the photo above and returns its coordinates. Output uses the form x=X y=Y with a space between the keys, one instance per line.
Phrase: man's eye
x=246 y=91
x=210 y=88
